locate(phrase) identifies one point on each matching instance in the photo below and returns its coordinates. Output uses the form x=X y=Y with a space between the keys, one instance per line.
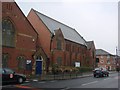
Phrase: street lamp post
x=117 y=60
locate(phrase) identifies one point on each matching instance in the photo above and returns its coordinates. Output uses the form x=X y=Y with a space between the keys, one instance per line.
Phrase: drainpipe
x=52 y=36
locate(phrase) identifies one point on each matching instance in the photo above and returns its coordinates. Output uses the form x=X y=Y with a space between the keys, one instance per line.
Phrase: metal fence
x=57 y=76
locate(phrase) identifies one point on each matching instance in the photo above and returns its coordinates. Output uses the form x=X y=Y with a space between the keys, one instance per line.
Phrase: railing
x=57 y=75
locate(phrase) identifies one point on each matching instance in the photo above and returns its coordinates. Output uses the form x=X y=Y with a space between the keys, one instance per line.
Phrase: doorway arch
x=39 y=65
x=40 y=57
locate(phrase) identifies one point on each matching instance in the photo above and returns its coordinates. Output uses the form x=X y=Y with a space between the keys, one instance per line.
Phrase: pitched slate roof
x=89 y=44
x=102 y=52
x=68 y=32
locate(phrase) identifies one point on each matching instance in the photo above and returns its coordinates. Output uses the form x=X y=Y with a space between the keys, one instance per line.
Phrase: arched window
x=21 y=62
x=8 y=33
x=5 y=58
x=59 y=45
x=59 y=61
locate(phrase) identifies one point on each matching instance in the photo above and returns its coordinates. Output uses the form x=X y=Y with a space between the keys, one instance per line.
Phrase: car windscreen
x=104 y=69
x=97 y=71
x=8 y=71
x=97 y=68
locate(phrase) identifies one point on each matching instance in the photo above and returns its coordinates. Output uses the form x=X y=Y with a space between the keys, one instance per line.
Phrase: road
x=110 y=82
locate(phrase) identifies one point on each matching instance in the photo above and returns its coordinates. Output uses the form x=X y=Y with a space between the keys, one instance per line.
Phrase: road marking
x=7 y=86
x=65 y=88
x=52 y=81
x=41 y=82
x=89 y=83
x=20 y=86
x=27 y=81
x=25 y=84
x=106 y=78
x=35 y=80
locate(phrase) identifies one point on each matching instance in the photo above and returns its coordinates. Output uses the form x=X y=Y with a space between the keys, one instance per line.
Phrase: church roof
x=68 y=32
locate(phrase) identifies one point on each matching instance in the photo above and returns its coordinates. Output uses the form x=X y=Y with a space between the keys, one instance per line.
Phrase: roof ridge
x=104 y=51
x=90 y=41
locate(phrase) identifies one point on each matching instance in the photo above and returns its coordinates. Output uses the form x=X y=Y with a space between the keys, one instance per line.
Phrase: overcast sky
x=94 y=20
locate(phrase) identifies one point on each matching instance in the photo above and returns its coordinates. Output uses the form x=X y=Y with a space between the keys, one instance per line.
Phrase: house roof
x=68 y=32
x=102 y=52
x=89 y=44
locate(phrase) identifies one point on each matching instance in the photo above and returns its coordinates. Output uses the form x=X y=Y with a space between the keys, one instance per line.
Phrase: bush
x=85 y=69
x=67 y=69
x=55 y=68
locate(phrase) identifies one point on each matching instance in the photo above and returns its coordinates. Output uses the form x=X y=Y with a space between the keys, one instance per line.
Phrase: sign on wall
x=28 y=65
x=28 y=61
x=77 y=64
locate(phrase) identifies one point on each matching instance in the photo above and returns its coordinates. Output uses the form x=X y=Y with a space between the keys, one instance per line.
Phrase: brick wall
x=25 y=35
x=103 y=62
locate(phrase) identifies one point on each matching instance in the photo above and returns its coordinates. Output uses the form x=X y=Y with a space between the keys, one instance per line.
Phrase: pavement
x=83 y=75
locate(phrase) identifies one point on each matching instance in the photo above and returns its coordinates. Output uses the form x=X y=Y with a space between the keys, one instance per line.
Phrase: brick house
x=117 y=59
x=19 y=39
x=106 y=59
x=62 y=44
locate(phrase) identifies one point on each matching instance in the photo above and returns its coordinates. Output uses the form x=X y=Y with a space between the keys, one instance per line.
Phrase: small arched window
x=21 y=62
x=8 y=33
x=59 y=45
x=5 y=58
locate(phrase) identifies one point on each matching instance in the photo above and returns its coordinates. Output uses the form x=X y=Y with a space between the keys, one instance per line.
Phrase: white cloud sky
x=96 y=21
x=66 y=1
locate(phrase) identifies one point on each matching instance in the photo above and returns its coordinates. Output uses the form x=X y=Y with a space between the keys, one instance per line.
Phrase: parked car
x=8 y=75
x=100 y=72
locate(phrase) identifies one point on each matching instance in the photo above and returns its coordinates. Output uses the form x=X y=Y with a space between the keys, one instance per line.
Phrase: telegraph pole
x=117 y=62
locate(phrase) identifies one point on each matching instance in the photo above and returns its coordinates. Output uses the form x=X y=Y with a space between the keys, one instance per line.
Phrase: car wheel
x=20 y=80
x=107 y=75
x=103 y=75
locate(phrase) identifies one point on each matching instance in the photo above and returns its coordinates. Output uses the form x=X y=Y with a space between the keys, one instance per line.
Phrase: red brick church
x=62 y=44
x=35 y=43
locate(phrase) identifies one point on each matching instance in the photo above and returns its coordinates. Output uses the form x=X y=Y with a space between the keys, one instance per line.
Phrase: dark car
x=100 y=72
x=8 y=75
